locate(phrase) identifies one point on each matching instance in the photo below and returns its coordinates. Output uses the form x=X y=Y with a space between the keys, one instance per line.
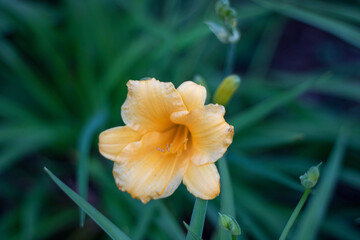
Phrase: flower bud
x=310 y=178
x=226 y=13
x=229 y=223
x=226 y=89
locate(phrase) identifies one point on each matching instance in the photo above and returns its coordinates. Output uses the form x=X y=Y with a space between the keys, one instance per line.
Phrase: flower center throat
x=175 y=140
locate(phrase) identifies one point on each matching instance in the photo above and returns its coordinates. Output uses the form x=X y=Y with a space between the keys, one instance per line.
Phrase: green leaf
x=31 y=81
x=265 y=50
x=84 y=146
x=168 y=223
x=31 y=209
x=248 y=223
x=46 y=227
x=342 y=10
x=318 y=204
x=264 y=139
x=345 y=31
x=265 y=171
x=165 y=220
x=15 y=111
x=115 y=71
x=101 y=220
x=144 y=222
x=193 y=234
x=16 y=150
x=266 y=211
x=197 y=218
x=351 y=177
x=255 y=114
x=338 y=228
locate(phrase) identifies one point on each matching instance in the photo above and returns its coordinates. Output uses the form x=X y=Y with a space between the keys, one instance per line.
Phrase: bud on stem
x=226 y=89
x=310 y=178
x=229 y=223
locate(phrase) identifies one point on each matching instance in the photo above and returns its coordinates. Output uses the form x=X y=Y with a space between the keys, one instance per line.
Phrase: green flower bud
x=226 y=89
x=310 y=178
x=229 y=223
x=226 y=13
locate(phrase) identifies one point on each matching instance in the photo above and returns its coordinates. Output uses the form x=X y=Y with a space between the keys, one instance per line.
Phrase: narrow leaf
x=345 y=31
x=167 y=222
x=260 y=111
x=193 y=234
x=144 y=221
x=84 y=146
x=101 y=220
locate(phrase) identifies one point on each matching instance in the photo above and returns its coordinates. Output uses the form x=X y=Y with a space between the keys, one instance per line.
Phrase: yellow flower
x=169 y=137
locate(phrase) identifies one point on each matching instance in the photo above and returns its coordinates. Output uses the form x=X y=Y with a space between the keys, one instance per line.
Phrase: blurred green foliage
x=63 y=70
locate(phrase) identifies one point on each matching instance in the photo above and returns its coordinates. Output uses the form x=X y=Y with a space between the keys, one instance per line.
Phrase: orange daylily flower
x=170 y=136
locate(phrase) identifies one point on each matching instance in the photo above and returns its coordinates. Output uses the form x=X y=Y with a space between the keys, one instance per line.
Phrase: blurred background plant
x=63 y=70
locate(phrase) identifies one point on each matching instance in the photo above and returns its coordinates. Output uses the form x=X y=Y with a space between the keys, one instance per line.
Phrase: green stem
x=197 y=218
x=226 y=197
x=233 y=237
x=229 y=67
x=295 y=214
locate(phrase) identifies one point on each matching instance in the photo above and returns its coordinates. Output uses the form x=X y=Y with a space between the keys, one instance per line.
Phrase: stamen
x=161 y=150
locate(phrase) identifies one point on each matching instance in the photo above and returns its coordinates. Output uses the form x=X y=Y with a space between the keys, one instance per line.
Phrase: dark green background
x=63 y=70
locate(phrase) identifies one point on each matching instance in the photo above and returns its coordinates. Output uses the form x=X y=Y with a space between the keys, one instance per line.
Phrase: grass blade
x=101 y=220
x=84 y=146
x=342 y=10
x=226 y=196
x=197 y=218
x=260 y=111
x=193 y=234
x=41 y=92
x=315 y=212
x=343 y=30
x=16 y=150
x=265 y=171
x=144 y=222
x=264 y=140
x=31 y=209
x=167 y=222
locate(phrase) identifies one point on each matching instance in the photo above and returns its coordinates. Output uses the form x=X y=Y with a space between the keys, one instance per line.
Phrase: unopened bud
x=310 y=178
x=226 y=89
x=229 y=223
x=226 y=13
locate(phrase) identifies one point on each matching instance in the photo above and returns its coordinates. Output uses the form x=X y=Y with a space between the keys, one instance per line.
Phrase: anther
x=161 y=150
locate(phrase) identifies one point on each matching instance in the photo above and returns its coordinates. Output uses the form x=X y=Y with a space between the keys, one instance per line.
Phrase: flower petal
x=113 y=140
x=210 y=134
x=202 y=181
x=146 y=172
x=193 y=95
x=149 y=104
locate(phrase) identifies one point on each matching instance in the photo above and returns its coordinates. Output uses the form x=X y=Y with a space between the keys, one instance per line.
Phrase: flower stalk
x=295 y=214
x=197 y=219
x=308 y=180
